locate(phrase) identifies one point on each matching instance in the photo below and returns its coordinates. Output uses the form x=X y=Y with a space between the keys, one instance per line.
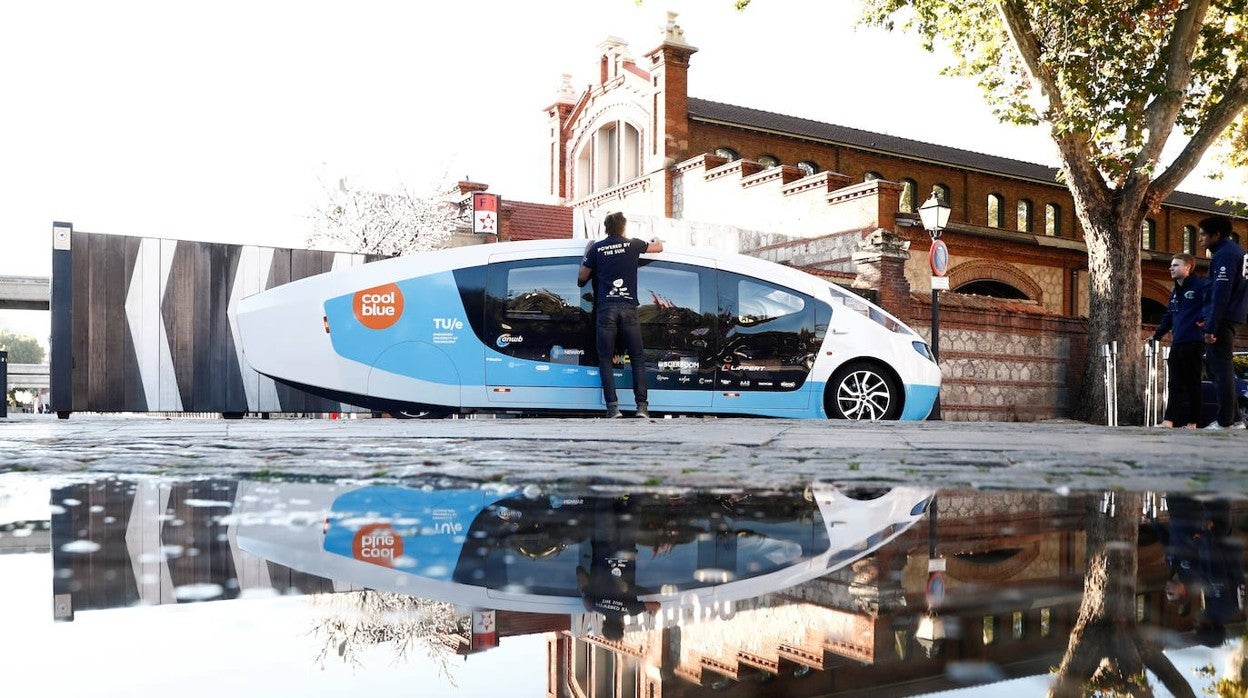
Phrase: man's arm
x=582 y=276
x=656 y=245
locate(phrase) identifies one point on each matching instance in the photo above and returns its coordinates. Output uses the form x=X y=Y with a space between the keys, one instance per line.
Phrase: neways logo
x=378 y=308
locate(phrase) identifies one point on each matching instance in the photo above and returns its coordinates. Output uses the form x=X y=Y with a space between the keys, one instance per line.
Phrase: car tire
x=863 y=391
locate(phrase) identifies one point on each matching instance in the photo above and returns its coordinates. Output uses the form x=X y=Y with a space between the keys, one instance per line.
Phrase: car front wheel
x=863 y=391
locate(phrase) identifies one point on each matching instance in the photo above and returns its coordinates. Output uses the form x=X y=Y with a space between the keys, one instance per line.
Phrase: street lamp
x=935 y=216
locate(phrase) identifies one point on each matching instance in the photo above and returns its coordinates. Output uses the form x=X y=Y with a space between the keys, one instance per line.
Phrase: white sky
x=219 y=124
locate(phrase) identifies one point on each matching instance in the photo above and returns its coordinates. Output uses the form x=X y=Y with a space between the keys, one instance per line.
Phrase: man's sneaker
x=613 y=412
x=1214 y=426
x=1238 y=425
x=643 y=411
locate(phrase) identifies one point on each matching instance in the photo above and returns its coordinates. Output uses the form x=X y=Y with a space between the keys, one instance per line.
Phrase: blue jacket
x=1187 y=307
x=1228 y=290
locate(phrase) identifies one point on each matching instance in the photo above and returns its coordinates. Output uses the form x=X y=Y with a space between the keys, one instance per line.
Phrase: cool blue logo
x=556 y=352
x=505 y=339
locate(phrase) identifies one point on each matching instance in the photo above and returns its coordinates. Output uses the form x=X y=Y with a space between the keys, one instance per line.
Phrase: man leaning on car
x=1225 y=310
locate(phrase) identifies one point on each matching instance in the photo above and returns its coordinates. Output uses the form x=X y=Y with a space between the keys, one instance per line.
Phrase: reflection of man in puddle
x=1206 y=569
x=610 y=586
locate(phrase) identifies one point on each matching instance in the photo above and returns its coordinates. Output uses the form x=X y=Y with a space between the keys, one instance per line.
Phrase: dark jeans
x=1185 y=401
x=1222 y=371
x=621 y=319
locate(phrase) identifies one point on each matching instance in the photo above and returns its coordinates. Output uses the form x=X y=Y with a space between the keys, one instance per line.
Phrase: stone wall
x=1004 y=360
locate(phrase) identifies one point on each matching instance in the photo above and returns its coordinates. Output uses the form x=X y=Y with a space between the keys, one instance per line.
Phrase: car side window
x=771 y=334
x=535 y=310
x=678 y=319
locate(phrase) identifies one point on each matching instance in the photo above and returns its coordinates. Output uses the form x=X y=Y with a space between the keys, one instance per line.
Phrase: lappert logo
x=377 y=543
x=378 y=308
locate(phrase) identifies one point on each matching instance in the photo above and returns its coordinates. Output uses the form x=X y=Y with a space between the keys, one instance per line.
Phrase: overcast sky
x=220 y=123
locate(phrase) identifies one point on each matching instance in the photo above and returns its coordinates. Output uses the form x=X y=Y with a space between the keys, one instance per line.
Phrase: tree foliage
x=385 y=223
x=1114 y=79
x=349 y=623
x=1134 y=93
x=22 y=349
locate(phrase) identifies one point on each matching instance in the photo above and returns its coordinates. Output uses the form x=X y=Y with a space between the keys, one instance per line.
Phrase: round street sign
x=938 y=256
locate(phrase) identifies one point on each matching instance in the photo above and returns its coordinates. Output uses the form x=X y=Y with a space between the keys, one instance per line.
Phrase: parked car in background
x=1210 y=407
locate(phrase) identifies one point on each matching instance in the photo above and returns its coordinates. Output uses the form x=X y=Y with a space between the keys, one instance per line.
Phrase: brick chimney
x=669 y=77
x=557 y=117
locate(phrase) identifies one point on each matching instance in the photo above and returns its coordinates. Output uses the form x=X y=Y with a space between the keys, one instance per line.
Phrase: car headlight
x=921 y=347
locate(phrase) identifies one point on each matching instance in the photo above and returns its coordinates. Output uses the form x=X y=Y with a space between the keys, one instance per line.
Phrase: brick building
x=842 y=202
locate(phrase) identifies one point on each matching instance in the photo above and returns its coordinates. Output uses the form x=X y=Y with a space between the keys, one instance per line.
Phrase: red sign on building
x=485 y=213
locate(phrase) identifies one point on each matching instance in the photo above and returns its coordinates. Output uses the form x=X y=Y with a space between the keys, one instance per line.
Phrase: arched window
x=943 y=191
x=996 y=211
x=909 y=196
x=768 y=161
x=1053 y=220
x=871 y=176
x=808 y=168
x=727 y=153
x=611 y=156
x=1148 y=234
x=993 y=288
x=1151 y=311
x=1024 y=215
x=1189 y=239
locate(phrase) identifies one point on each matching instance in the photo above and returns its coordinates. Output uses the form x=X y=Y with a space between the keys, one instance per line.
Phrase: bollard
x=1109 y=422
x=1165 y=381
x=4 y=384
x=1113 y=365
x=1150 y=382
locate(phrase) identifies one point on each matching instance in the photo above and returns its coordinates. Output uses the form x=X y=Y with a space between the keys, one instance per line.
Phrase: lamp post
x=935 y=216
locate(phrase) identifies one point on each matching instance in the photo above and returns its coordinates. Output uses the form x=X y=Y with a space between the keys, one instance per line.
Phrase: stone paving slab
x=682 y=452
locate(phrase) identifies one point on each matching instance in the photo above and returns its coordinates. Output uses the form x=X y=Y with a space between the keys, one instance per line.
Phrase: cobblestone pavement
x=658 y=452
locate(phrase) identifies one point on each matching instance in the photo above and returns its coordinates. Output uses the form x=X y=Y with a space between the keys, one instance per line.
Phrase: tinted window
x=534 y=310
x=678 y=320
x=771 y=336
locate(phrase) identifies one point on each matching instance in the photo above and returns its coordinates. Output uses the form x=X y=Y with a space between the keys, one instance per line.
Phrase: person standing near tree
x=1225 y=310
x=612 y=262
x=1187 y=346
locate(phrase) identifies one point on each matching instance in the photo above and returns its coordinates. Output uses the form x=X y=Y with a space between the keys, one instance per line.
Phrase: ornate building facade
x=829 y=198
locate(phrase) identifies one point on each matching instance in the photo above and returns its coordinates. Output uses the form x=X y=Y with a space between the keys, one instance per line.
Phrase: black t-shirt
x=614 y=264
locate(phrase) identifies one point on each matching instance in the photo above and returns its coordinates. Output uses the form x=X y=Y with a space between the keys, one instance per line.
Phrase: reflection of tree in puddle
x=1107 y=654
x=1234 y=682
x=350 y=623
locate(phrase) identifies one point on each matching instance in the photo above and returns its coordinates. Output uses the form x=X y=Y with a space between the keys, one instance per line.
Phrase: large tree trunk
x=1113 y=241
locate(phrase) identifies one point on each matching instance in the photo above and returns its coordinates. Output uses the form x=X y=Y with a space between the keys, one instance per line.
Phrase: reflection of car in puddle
x=520 y=550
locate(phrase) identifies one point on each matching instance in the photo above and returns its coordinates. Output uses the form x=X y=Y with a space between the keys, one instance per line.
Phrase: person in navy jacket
x=612 y=263
x=1225 y=310
x=1187 y=344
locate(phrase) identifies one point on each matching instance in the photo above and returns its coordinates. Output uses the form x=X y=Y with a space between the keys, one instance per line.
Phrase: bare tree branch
x=1072 y=147
x=1161 y=113
x=1233 y=103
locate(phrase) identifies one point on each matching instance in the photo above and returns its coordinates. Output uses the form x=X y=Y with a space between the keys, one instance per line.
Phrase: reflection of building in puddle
x=1014 y=569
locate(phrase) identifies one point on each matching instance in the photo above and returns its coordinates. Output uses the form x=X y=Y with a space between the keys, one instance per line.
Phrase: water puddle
x=217 y=587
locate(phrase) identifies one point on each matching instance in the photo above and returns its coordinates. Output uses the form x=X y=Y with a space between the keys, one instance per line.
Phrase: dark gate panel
x=149 y=328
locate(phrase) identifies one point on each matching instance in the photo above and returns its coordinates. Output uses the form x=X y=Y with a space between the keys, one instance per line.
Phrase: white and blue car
x=504 y=327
